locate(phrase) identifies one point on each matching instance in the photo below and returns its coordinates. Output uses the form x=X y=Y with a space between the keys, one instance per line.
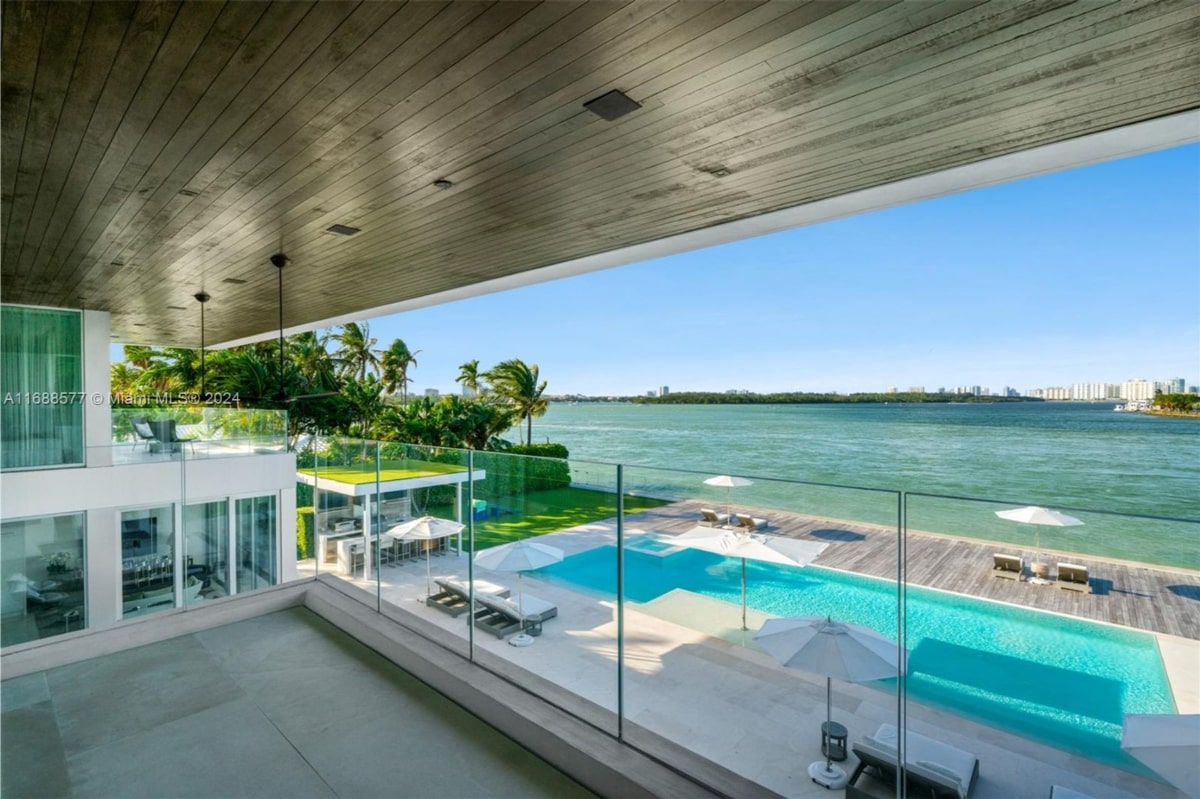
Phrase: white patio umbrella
x=1039 y=517
x=732 y=544
x=425 y=528
x=728 y=482
x=1169 y=744
x=519 y=556
x=819 y=645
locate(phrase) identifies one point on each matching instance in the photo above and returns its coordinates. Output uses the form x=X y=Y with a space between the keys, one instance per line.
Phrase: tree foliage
x=343 y=361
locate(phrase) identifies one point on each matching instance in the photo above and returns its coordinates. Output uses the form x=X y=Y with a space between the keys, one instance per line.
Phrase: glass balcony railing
x=142 y=435
x=632 y=607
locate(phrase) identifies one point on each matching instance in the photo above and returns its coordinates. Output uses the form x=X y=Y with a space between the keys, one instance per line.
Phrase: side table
x=833 y=740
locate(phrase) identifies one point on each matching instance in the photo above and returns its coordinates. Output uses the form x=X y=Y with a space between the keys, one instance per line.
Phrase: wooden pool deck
x=1150 y=598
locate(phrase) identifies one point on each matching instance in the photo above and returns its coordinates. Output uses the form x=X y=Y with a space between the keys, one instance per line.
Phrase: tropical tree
x=356 y=350
x=139 y=357
x=310 y=354
x=396 y=361
x=468 y=375
x=365 y=398
x=516 y=383
x=124 y=378
x=446 y=422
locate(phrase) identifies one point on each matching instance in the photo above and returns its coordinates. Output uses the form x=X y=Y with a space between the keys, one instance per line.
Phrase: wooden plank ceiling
x=154 y=150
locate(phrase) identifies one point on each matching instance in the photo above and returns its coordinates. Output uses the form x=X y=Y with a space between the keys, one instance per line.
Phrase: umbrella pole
x=521 y=599
x=829 y=719
x=427 y=571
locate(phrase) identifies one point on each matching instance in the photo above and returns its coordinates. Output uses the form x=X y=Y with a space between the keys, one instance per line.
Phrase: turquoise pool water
x=1058 y=680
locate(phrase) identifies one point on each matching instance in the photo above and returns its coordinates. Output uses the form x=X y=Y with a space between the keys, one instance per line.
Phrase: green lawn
x=549 y=511
x=388 y=470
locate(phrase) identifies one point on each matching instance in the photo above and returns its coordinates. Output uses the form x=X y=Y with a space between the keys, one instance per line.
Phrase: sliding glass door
x=147 y=560
x=257 y=549
x=206 y=551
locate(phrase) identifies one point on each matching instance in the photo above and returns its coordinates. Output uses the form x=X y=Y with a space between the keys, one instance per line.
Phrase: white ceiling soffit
x=1144 y=137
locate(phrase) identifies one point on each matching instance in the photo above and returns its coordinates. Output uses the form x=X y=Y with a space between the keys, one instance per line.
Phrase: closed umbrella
x=1169 y=744
x=519 y=556
x=819 y=645
x=731 y=544
x=1039 y=517
x=728 y=482
x=425 y=528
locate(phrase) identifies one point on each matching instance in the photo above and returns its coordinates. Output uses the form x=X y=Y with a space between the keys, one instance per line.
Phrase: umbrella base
x=521 y=639
x=831 y=777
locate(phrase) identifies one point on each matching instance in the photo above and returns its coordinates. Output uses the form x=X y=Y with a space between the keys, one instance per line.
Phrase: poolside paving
x=691 y=676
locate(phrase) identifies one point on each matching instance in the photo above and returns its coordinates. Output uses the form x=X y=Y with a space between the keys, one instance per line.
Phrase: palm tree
x=357 y=351
x=396 y=362
x=517 y=384
x=310 y=354
x=468 y=375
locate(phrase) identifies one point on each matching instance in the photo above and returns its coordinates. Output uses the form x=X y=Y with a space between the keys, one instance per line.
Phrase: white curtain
x=41 y=375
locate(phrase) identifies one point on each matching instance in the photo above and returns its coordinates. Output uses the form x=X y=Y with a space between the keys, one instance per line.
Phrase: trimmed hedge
x=544 y=468
x=305 y=522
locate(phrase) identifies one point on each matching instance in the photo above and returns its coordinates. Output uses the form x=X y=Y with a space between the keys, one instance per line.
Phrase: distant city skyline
x=1092 y=273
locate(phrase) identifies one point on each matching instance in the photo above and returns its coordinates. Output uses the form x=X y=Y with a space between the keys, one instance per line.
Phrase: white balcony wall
x=104 y=492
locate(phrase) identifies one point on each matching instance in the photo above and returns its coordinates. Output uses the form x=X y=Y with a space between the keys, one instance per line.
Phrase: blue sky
x=1090 y=275
x=1083 y=276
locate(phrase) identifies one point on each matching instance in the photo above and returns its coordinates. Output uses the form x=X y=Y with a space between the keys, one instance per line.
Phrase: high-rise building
x=664 y=391
x=1137 y=389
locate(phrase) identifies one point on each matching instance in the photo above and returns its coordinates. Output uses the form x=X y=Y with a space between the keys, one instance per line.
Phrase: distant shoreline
x=804 y=398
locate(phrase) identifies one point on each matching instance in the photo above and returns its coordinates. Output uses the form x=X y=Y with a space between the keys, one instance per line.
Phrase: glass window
x=257 y=553
x=206 y=549
x=147 y=560
x=42 y=573
x=41 y=376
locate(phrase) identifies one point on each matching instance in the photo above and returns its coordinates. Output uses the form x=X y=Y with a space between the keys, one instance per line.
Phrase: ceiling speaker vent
x=343 y=230
x=612 y=105
x=175 y=308
x=237 y=281
x=188 y=192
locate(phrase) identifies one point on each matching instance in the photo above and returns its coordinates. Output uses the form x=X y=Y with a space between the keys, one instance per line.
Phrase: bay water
x=1082 y=456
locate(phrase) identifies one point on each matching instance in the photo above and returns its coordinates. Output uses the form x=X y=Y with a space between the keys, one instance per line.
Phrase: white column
x=366 y=536
x=97 y=384
x=287 y=534
x=102 y=551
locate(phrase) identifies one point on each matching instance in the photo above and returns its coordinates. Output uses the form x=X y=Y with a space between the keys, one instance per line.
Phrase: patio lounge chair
x=712 y=518
x=455 y=598
x=143 y=433
x=745 y=522
x=933 y=767
x=1007 y=566
x=501 y=617
x=1073 y=577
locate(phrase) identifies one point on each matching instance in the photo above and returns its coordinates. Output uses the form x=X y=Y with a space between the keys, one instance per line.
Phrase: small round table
x=833 y=740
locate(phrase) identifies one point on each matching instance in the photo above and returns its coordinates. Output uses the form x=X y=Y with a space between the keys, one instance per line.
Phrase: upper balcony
x=147 y=435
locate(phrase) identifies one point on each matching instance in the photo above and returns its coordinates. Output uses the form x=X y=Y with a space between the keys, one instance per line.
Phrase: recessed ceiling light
x=612 y=105
x=343 y=230
x=237 y=281
x=442 y=183
x=175 y=308
x=188 y=192
x=116 y=263
x=138 y=324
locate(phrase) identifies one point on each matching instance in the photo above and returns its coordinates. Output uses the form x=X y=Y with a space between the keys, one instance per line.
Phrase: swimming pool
x=1059 y=680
